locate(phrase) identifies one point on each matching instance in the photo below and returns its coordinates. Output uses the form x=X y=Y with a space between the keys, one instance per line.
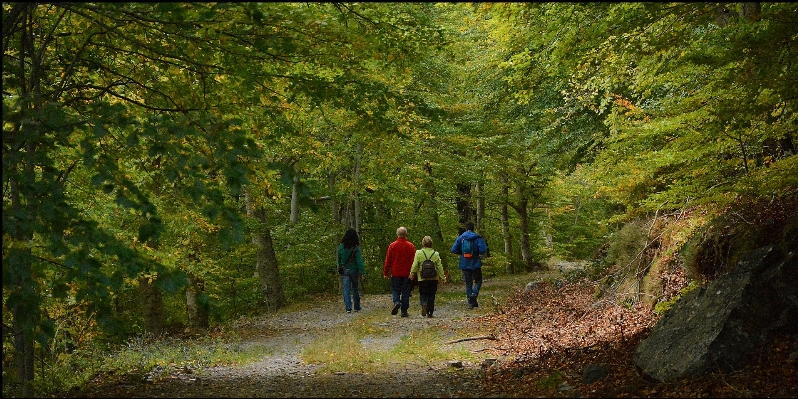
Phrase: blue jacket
x=474 y=262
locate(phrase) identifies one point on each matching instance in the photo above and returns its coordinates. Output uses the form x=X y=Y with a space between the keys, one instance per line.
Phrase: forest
x=179 y=165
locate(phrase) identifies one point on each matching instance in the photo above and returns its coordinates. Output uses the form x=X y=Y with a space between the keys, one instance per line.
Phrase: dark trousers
x=426 y=291
x=400 y=291
x=473 y=282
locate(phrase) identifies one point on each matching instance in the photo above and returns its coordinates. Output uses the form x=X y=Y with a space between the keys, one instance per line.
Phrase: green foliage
x=626 y=247
x=138 y=148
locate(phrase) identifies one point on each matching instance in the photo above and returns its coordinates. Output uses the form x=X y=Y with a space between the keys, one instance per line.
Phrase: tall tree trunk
x=266 y=260
x=434 y=216
x=25 y=311
x=334 y=205
x=464 y=208
x=505 y=220
x=751 y=11
x=523 y=218
x=26 y=316
x=480 y=211
x=268 y=271
x=197 y=310
x=294 y=217
x=522 y=208
x=356 y=201
x=152 y=306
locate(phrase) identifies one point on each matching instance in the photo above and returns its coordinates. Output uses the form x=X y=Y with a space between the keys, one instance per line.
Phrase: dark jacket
x=357 y=260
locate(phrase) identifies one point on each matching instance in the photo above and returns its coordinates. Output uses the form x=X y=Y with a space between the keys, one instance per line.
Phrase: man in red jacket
x=398 y=261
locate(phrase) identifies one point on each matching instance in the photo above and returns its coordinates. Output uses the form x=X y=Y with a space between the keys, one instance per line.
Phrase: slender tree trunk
x=268 y=271
x=266 y=260
x=356 y=201
x=26 y=313
x=197 y=312
x=434 y=216
x=294 y=217
x=480 y=212
x=751 y=11
x=26 y=317
x=463 y=201
x=522 y=208
x=523 y=218
x=334 y=205
x=505 y=220
x=152 y=305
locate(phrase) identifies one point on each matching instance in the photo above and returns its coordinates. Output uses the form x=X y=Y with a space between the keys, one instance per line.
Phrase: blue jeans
x=351 y=282
x=473 y=281
x=400 y=291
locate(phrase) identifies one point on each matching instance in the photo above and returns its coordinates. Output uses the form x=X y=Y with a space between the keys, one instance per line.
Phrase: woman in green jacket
x=351 y=269
x=427 y=287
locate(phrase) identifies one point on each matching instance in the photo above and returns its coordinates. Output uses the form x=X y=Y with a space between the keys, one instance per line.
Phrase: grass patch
x=365 y=349
x=141 y=356
x=197 y=354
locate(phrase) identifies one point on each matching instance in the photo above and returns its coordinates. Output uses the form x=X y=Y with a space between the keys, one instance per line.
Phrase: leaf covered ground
x=550 y=335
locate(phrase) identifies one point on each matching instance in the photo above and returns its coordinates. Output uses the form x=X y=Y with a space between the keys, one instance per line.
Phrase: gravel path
x=283 y=373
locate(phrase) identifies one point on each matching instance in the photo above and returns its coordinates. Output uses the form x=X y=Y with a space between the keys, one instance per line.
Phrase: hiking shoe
x=424 y=310
x=471 y=306
x=429 y=315
x=348 y=311
x=404 y=314
x=395 y=309
x=357 y=310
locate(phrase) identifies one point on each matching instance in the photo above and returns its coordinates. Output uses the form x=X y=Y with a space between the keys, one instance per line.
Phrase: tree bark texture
x=197 y=311
x=505 y=220
x=464 y=207
x=294 y=218
x=266 y=265
x=152 y=306
x=265 y=259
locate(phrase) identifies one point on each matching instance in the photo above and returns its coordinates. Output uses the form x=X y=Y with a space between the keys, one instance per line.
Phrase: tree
x=142 y=105
x=84 y=100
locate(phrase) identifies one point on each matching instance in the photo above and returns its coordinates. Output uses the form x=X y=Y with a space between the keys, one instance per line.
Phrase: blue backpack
x=469 y=247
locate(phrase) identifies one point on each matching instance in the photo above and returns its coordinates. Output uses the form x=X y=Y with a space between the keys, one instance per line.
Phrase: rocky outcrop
x=716 y=326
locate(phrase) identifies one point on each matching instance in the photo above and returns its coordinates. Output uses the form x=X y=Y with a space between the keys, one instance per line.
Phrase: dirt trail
x=283 y=373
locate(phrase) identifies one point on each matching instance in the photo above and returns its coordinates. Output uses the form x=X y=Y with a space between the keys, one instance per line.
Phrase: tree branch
x=490 y=337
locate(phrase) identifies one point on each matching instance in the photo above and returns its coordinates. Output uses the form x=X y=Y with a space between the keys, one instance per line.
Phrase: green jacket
x=422 y=255
x=357 y=260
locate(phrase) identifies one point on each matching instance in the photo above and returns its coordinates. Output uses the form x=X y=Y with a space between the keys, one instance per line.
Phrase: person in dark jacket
x=351 y=269
x=471 y=263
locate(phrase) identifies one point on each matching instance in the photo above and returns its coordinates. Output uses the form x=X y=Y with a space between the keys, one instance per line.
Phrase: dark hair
x=469 y=226
x=350 y=239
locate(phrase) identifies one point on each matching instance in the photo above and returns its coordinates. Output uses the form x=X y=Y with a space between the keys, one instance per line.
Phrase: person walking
x=470 y=246
x=427 y=286
x=398 y=260
x=351 y=269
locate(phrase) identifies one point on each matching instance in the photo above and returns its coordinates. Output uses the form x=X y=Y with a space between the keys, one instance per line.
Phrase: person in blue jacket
x=471 y=261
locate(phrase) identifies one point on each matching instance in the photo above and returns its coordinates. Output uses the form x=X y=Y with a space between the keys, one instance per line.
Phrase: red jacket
x=399 y=258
